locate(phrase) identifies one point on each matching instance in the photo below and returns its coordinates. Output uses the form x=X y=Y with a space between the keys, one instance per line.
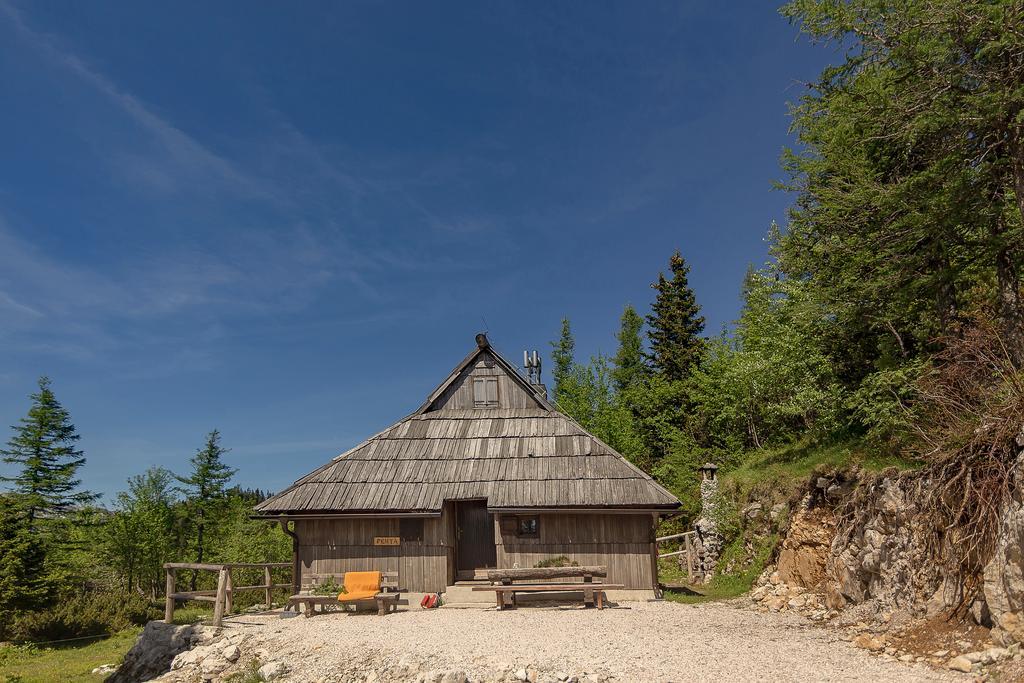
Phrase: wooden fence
x=688 y=553
x=223 y=597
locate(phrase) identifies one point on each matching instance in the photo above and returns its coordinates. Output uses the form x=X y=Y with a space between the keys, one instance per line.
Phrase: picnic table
x=506 y=583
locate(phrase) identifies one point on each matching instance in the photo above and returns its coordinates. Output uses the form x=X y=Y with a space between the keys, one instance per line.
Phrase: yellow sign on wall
x=387 y=540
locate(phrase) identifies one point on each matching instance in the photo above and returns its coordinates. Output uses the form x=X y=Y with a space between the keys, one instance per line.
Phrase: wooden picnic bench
x=386 y=601
x=503 y=583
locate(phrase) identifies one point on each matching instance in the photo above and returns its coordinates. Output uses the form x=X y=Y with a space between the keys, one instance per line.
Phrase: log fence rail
x=223 y=597
x=688 y=541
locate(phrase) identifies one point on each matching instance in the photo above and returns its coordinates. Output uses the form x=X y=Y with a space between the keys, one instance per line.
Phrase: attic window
x=485 y=392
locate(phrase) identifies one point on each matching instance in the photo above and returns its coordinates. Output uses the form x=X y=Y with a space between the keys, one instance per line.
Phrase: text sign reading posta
x=387 y=540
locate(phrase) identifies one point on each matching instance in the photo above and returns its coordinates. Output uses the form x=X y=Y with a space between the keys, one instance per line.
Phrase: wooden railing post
x=689 y=559
x=218 y=605
x=170 y=587
x=269 y=584
x=229 y=593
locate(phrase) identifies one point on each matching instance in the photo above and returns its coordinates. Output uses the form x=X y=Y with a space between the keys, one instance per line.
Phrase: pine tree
x=23 y=582
x=675 y=323
x=43 y=446
x=630 y=365
x=563 y=359
x=206 y=489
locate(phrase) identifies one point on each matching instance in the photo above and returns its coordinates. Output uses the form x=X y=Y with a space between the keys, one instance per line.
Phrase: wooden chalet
x=487 y=473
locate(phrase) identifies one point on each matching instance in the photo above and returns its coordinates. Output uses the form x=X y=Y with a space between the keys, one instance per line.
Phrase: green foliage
x=249 y=674
x=908 y=178
x=629 y=364
x=885 y=401
x=562 y=361
x=77 y=615
x=675 y=323
x=43 y=447
x=205 y=491
x=772 y=380
x=139 y=538
x=559 y=561
x=23 y=580
x=329 y=587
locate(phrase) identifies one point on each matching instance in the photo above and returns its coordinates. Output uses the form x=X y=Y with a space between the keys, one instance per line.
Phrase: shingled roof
x=530 y=456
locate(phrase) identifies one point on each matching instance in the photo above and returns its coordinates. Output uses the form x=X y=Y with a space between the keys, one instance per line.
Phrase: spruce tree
x=675 y=323
x=43 y=447
x=630 y=365
x=23 y=582
x=562 y=359
x=206 y=489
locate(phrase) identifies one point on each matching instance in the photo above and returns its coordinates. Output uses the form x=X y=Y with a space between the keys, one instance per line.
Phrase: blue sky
x=287 y=221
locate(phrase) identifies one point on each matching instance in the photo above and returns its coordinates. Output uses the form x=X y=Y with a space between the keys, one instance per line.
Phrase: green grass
x=32 y=664
x=192 y=614
x=778 y=474
x=723 y=586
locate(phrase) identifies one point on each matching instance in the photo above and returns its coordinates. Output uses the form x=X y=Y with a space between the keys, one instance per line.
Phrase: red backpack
x=430 y=601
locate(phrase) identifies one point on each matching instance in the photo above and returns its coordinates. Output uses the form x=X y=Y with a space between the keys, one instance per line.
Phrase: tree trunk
x=1010 y=306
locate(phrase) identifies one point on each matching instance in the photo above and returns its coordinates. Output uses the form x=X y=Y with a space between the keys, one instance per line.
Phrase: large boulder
x=156 y=648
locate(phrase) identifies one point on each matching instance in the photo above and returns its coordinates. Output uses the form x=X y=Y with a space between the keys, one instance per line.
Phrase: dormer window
x=485 y=392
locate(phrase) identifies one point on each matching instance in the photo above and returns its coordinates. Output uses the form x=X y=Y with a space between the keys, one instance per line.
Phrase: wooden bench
x=386 y=601
x=503 y=583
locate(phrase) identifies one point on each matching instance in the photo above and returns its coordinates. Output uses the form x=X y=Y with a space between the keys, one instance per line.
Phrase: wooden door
x=474 y=529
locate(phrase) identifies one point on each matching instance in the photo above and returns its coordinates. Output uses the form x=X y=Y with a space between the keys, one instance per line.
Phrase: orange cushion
x=360 y=586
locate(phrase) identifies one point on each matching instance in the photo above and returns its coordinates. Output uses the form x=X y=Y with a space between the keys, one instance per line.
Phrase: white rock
x=521 y=675
x=214 y=665
x=104 y=669
x=997 y=653
x=960 y=664
x=231 y=653
x=272 y=671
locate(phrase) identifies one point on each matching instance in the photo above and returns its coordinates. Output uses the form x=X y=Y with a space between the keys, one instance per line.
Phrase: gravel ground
x=658 y=641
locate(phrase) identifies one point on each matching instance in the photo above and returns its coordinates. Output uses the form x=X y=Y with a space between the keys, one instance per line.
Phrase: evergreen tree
x=910 y=173
x=206 y=490
x=675 y=323
x=563 y=360
x=630 y=365
x=43 y=447
x=22 y=562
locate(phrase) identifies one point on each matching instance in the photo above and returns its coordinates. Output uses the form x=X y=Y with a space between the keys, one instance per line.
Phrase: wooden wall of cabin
x=334 y=546
x=624 y=543
x=459 y=396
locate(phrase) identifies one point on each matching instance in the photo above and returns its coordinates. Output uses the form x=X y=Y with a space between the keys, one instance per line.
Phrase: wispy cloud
x=183 y=158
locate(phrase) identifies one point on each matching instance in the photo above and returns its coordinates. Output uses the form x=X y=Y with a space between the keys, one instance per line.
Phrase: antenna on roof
x=532 y=364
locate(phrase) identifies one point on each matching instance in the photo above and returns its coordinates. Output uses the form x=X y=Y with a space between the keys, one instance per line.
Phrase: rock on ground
x=155 y=649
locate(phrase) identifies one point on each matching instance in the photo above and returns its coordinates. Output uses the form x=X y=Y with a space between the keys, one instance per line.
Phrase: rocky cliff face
x=886 y=552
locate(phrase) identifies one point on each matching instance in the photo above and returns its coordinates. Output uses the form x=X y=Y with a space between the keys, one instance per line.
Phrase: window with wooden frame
x=485 y=392
x=411 y=529
x=528 y=527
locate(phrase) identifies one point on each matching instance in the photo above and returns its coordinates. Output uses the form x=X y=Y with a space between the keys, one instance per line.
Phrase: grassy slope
x=772 y=475
x=30 y=664
x=46 y=665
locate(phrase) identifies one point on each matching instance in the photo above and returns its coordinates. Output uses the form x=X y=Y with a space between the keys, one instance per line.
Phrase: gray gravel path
x=636 y=642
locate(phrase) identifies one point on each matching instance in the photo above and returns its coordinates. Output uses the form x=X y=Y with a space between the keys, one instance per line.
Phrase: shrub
x=560 y=561
x=76 y=615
